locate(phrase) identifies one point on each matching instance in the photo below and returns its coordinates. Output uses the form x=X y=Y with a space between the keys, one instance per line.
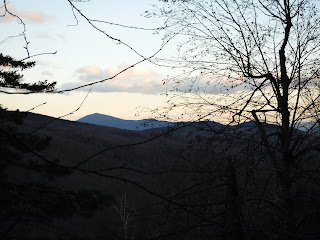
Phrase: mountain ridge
x=110 y=121
x=146 y=124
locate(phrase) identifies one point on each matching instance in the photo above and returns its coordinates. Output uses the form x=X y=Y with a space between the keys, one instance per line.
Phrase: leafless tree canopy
x=263 y=59
x=268 y=48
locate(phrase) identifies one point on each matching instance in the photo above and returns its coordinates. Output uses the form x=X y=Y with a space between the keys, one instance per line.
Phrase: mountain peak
x=110 y=121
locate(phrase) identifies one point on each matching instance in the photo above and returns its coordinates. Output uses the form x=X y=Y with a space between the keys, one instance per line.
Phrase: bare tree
x=255 y=61
x=126 y=215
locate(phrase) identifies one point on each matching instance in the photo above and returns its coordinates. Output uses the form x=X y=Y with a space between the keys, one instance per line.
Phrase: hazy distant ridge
x=109 y=121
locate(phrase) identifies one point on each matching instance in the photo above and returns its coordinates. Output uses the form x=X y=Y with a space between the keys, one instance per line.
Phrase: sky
x=84 y=55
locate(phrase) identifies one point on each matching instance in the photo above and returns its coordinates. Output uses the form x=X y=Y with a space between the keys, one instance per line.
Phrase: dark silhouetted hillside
x=204 y=173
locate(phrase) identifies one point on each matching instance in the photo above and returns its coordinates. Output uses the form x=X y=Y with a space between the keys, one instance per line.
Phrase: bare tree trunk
x=234 y=222
x=285 y=161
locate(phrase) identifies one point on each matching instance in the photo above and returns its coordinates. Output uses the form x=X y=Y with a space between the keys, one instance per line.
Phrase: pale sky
x=85 y=55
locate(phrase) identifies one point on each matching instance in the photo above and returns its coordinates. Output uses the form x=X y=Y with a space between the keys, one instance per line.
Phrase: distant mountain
x=199 y=127
x=109 y=121
x=144 y=124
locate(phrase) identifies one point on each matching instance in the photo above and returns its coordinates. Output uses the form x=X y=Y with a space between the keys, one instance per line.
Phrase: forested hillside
x=82 y=181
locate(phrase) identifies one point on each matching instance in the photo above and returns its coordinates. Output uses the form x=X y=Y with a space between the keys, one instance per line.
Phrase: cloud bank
x=137 y=79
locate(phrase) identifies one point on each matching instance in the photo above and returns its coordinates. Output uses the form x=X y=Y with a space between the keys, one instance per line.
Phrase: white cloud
x=34 y=16
x=90 y=73
x=47 y=73
x=30 y=16
x=142 y=80
x=137 y=79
